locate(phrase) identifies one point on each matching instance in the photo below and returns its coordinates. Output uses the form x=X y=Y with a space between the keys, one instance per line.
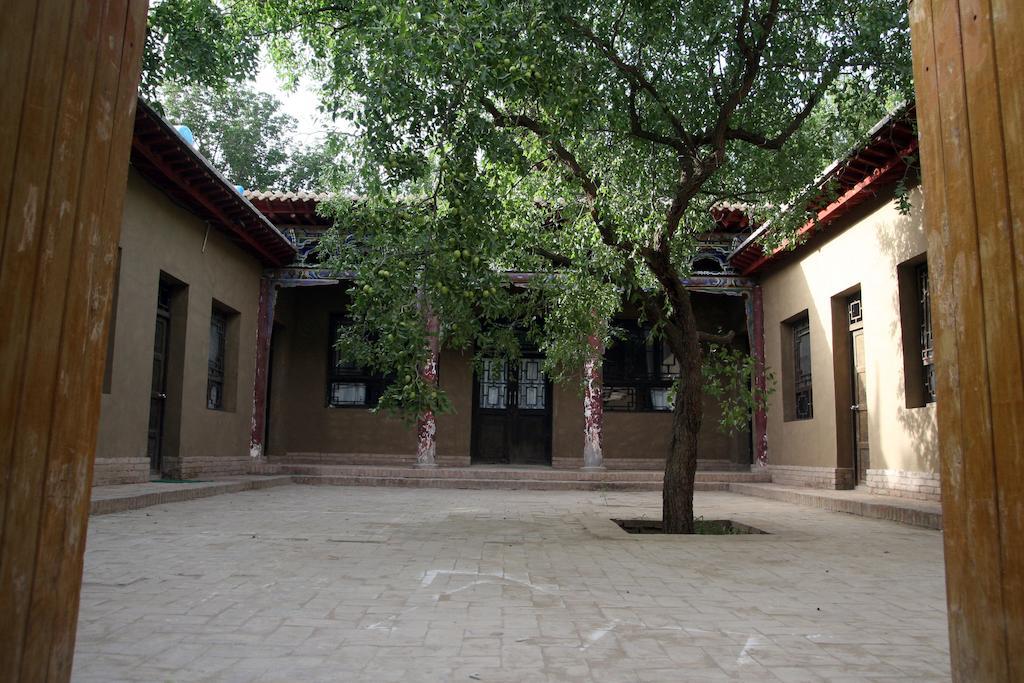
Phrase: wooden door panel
x=511 y=414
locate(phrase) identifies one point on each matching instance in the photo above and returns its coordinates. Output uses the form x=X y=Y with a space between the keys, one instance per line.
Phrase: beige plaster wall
x=865 y=255
x=300 y=420
x=158 y=236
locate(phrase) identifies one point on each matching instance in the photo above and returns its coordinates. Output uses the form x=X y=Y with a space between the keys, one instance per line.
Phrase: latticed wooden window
x=927 y=338
x=638 y=371
x=215 y=368
x=802 y=393
x=347 y=383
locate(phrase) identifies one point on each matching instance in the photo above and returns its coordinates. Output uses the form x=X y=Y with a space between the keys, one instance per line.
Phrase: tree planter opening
x=704 y=527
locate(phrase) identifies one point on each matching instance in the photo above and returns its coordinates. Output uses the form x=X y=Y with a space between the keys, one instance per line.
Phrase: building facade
x=847 y=331
x=177 y=393
x=242 y=374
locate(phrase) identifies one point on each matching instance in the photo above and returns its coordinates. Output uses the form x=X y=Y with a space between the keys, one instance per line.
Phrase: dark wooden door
x=859 y=407
x=158 y=392
x=512 y=413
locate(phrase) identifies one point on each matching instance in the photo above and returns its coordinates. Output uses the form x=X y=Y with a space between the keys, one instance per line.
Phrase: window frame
x=917 y=332
x=217 y=376
x=373 y=384
x=926 y=333
x=640 y=385
x=798 y=380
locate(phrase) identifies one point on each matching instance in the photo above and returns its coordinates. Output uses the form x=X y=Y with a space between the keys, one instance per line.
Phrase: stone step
x=905 y=511
x=502 y=484
x=122 y=497
x=509 y=474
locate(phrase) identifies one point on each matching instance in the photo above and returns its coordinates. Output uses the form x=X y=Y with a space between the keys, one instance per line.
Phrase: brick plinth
x=905 y=484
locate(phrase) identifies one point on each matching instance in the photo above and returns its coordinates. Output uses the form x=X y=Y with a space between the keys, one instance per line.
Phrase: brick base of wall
x=108 y=471
x=916 y=485
x=382 y=459
x=564 y=463
x=209 y=467
x=814 y=477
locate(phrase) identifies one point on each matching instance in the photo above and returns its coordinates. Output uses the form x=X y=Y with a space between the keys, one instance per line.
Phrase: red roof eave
x=752 y=258
x=167 y=161
x=865 y=173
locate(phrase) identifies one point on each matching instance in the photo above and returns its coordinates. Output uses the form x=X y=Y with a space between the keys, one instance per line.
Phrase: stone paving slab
x=893 y=508
x=300 y=583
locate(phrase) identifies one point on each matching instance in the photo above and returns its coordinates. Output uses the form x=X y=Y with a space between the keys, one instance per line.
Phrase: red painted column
x=593 y=406
x=760 y=416
x=264 y=330
x=426 y=426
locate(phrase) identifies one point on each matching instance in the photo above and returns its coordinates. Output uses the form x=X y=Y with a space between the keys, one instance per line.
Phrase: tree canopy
x=244 y=133
x=563 y=137
x=583 y=143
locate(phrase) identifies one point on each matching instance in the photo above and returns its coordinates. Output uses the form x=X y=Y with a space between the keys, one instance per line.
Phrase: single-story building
x=243 y=371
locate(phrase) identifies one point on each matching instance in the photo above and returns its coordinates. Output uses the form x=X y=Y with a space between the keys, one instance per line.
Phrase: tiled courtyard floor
x=308 y=583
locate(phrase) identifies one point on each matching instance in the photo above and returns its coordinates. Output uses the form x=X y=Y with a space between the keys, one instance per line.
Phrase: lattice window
x=494 y=384
x=638 y=371
x=348 y=384
x=927 y=338
x=216 y=363
x=803 y=399
x=531 y=389
x=855 y=310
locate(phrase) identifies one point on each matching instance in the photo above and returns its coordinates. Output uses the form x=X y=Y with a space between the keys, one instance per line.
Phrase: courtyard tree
x=581 y=143
x=246 y=135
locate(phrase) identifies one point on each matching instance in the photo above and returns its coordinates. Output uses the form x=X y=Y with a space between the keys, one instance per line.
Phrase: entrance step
x=496 y=477
x=122 y=497
x=903 y=510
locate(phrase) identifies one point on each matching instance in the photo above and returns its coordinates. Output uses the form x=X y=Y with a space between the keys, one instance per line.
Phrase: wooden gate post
x=70 y=70
x=968 y=60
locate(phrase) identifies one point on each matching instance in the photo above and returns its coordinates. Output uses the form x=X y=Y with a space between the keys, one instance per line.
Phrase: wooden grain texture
x=1007 y=28
x=42 y=378
x=68 y=163
x=971 y=164
x=25 y=439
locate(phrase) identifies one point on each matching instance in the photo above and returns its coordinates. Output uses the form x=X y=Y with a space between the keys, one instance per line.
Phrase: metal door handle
x=161 y=396
x=855 y=406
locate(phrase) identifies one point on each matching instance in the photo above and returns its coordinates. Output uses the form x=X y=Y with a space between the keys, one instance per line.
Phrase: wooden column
x=70 y=72
x=968 y=61
x=264 y=332
x=426 y=425
x=593 y=406
x=760 y=385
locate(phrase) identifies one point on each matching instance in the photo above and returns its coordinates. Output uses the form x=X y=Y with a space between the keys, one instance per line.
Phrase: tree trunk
x=681 y=463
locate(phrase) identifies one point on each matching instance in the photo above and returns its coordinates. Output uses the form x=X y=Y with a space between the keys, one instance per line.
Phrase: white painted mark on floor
x=487 y=577
x=744 y=657
x=597 y=634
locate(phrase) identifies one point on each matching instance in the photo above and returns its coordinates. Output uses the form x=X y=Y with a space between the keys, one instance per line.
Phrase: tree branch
x=776 y=142
x=636 y=76
x=751 y=54
x=590 y=186
x=717 y=338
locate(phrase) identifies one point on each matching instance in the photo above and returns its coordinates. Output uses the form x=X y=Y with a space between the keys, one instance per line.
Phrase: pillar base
x=593 y=468
x=425 y=465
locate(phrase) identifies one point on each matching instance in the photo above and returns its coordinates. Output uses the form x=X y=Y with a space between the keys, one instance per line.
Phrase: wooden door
x=859 y=407
x=512 y=413
x=158 y=391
